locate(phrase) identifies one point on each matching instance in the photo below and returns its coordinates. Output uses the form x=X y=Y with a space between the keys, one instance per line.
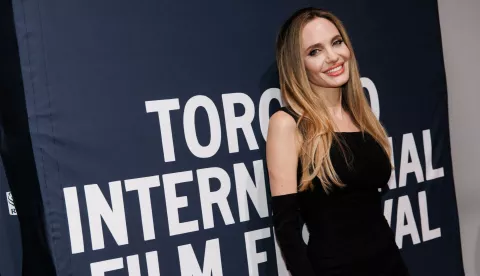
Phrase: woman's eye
x=314 y=52
x=338 y=42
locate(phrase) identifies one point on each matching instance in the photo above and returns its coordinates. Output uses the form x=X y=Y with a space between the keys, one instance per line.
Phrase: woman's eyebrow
x=319 y=45
x=316 y=45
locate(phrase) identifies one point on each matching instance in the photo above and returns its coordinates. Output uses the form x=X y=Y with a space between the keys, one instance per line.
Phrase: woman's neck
x=332 y=98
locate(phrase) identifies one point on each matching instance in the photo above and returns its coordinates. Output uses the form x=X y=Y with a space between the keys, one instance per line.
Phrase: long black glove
x=288 y=231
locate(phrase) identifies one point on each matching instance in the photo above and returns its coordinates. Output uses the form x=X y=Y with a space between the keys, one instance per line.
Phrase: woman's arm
x=282 y=159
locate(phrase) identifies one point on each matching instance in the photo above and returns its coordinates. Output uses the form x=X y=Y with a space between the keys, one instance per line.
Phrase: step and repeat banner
x=148 y=122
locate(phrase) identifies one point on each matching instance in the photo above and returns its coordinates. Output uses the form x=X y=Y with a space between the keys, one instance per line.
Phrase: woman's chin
x=338 y=82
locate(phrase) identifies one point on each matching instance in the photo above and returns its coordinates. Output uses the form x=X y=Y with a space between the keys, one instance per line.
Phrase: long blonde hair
x=314 y=122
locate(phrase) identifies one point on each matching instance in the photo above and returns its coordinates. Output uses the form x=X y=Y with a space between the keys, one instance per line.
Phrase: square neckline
x=291 y=113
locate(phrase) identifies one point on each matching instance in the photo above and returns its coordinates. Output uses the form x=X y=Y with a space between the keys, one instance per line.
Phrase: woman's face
x=325 y=54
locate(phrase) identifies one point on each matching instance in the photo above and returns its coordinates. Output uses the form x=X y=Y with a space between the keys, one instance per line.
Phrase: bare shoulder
x=281 y=121
x=282 y=153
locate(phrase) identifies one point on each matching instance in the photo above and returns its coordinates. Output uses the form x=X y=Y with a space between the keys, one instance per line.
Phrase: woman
x=327 y=157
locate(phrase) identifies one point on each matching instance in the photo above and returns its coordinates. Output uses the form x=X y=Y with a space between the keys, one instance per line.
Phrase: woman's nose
x=332 y=56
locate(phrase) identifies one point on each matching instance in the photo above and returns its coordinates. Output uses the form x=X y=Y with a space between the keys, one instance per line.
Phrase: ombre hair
x=314 y=123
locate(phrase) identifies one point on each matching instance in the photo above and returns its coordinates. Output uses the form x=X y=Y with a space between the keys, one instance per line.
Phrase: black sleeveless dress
x=349 y=234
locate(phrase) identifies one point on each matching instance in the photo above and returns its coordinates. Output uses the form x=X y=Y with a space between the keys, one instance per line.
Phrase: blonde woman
x=327 y=157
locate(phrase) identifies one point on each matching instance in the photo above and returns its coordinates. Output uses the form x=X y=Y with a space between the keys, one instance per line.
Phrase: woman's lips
x=335 y=71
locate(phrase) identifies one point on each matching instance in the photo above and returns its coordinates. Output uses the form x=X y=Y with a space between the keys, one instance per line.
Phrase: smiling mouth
x=336 y=69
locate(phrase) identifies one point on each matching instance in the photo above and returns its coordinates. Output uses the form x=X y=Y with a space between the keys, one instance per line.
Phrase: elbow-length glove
x=288 y=231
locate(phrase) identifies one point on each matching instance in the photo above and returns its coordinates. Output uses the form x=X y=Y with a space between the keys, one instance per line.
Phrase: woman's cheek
x=347 y=53
x=310 y=66
x=314 y=65
x=317 y=65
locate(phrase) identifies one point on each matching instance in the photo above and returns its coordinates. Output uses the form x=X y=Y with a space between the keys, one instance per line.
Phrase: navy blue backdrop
x=148 y=123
